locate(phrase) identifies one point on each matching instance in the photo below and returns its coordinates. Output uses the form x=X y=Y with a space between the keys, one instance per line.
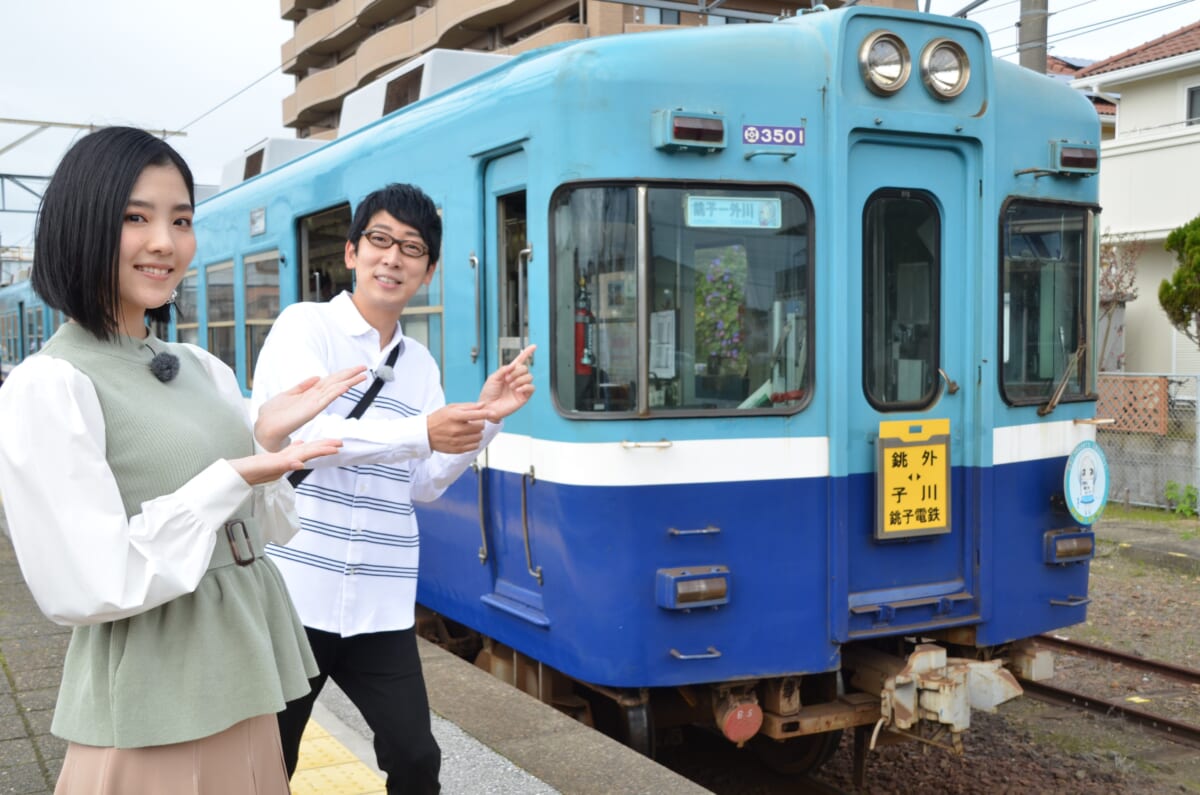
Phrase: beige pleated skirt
x=245 y=759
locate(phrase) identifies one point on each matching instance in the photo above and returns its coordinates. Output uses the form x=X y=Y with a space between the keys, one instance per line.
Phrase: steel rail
x=1176 y=730
x=1189 y=676
x=1180 y=732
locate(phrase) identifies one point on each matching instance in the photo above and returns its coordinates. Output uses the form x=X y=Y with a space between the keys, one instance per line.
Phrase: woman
x=138 y=502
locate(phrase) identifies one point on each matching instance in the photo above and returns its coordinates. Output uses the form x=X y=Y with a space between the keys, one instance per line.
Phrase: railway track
x=1140 y=684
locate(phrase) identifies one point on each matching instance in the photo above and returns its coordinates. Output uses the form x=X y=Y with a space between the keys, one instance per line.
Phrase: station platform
x=494 y=738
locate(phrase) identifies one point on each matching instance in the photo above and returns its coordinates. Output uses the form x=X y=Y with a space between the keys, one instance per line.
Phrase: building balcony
x=329 y=30
x=295 y=10
x=1139 y=185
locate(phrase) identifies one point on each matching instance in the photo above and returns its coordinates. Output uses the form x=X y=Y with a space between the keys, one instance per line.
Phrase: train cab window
x=221 y=332
x=323 y=271
x=1045 y=299
x=901 y=315
x=681 y=299
x=187 y=317
x=261 y=275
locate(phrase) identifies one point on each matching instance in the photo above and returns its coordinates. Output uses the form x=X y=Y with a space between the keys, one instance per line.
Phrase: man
x=352 y=568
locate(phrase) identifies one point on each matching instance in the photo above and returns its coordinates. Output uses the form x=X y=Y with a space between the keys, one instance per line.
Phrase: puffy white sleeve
x=295 y=350
x=274 y=504
x=84 y=560
x=431 y=476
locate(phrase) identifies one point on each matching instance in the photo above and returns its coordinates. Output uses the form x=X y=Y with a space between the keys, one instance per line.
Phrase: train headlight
x=945 y=68
x=884 y=62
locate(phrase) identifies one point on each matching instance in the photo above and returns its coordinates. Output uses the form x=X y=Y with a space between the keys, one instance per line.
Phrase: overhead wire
x=230 y=98
x=1091 y=27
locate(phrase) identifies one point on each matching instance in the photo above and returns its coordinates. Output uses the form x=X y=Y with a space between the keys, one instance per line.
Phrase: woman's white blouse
x=85 y=561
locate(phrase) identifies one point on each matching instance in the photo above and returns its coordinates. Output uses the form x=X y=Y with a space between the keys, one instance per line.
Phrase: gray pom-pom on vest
x=165 y=366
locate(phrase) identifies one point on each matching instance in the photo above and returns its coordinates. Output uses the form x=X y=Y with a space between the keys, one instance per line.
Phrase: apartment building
x=339 y=46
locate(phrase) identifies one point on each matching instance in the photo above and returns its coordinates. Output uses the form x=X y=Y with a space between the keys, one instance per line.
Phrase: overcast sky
x=164 y=64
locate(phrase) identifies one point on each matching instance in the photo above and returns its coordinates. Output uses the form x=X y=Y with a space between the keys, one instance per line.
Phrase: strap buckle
x=231 y=533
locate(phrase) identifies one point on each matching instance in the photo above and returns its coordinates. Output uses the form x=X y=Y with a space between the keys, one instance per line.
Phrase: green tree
x=1180 y=295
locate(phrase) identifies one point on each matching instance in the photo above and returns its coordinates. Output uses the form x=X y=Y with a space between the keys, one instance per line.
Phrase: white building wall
x=1150 y=343
x=1148 y=188
x=1143 y=189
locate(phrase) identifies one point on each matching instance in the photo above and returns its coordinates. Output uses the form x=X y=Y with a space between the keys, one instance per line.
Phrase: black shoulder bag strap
x=297 y=477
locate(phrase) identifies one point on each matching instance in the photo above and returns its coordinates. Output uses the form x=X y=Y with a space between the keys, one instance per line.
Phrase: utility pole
x=1031 y=41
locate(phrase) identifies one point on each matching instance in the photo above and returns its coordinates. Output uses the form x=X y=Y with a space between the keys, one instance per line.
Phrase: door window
x=901 y=313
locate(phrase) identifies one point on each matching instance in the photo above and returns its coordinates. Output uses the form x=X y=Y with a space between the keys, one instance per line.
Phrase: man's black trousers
x=380 y=673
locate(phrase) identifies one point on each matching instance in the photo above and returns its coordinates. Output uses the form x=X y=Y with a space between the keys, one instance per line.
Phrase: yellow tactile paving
x=326 y=767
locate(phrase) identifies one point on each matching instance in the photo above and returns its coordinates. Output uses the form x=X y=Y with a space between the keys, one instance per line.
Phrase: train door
x=510 y=480
x=908 y=512
x=322 y=248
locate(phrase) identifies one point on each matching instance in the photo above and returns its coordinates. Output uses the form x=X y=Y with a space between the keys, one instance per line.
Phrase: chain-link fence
x=1151 y=444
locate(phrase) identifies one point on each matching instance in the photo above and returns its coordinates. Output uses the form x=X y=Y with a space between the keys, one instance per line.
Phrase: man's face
x=390 y=263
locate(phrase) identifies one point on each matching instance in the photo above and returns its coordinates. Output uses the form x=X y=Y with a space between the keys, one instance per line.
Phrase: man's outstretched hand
x=509 y=388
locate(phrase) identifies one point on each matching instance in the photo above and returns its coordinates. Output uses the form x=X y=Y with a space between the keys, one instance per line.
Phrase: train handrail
x=483 y=550
x=474 y=260
x=523 y=258
x=526 y=478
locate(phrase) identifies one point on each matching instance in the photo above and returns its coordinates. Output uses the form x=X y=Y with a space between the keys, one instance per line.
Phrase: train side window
x=680 y=299
x=187 y=318
x=34 y=330
x=261 y=275
x=10 y=335
x=901 y=310
x=322 y=246
x=221 y=332
x=1045 y=301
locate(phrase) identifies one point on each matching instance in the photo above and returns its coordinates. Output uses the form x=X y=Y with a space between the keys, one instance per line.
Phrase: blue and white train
x=813 y=443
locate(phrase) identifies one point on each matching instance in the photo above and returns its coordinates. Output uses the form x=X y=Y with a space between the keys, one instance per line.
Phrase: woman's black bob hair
x=77 y=244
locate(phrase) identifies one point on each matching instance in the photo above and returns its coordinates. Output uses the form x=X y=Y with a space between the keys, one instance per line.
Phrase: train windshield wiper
x=1062 y=382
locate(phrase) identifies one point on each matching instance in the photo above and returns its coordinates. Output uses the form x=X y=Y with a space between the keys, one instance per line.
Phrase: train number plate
x=912 y=478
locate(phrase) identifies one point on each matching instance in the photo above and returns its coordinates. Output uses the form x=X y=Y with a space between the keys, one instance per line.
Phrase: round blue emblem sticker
x=1085 y=482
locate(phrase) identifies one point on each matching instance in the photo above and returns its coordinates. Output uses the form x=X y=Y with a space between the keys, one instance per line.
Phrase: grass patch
x=1116 y=512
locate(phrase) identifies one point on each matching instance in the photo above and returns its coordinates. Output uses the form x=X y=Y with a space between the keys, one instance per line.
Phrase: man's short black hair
x=408 y=204
x=77 y=244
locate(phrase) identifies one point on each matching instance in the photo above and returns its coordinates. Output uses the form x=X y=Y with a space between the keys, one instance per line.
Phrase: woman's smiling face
x=157 y=244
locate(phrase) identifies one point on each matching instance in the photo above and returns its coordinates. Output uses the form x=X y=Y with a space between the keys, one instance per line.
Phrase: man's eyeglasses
x=409 y=248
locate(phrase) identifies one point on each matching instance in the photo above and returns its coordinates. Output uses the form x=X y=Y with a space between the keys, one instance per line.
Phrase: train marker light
x=692 y=586
x=945 y=68
x=684 y=131
x=1068 y=546
x=1074 y=158
x=884 y=62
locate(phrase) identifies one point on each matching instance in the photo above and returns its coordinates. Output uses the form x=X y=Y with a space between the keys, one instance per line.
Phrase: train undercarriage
x=897 y=690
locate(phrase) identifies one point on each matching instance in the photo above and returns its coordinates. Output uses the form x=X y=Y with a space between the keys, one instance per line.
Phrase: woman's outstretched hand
x=267 y=467
x=287 y=411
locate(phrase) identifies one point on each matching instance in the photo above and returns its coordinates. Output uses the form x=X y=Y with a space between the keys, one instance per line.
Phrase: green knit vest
x=157 y=435
x=230 y=650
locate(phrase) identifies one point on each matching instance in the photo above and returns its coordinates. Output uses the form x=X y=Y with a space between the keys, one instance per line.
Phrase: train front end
x=817 y=442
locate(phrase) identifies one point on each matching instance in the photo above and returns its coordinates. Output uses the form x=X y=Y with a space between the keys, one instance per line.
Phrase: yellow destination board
x=913 y=478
